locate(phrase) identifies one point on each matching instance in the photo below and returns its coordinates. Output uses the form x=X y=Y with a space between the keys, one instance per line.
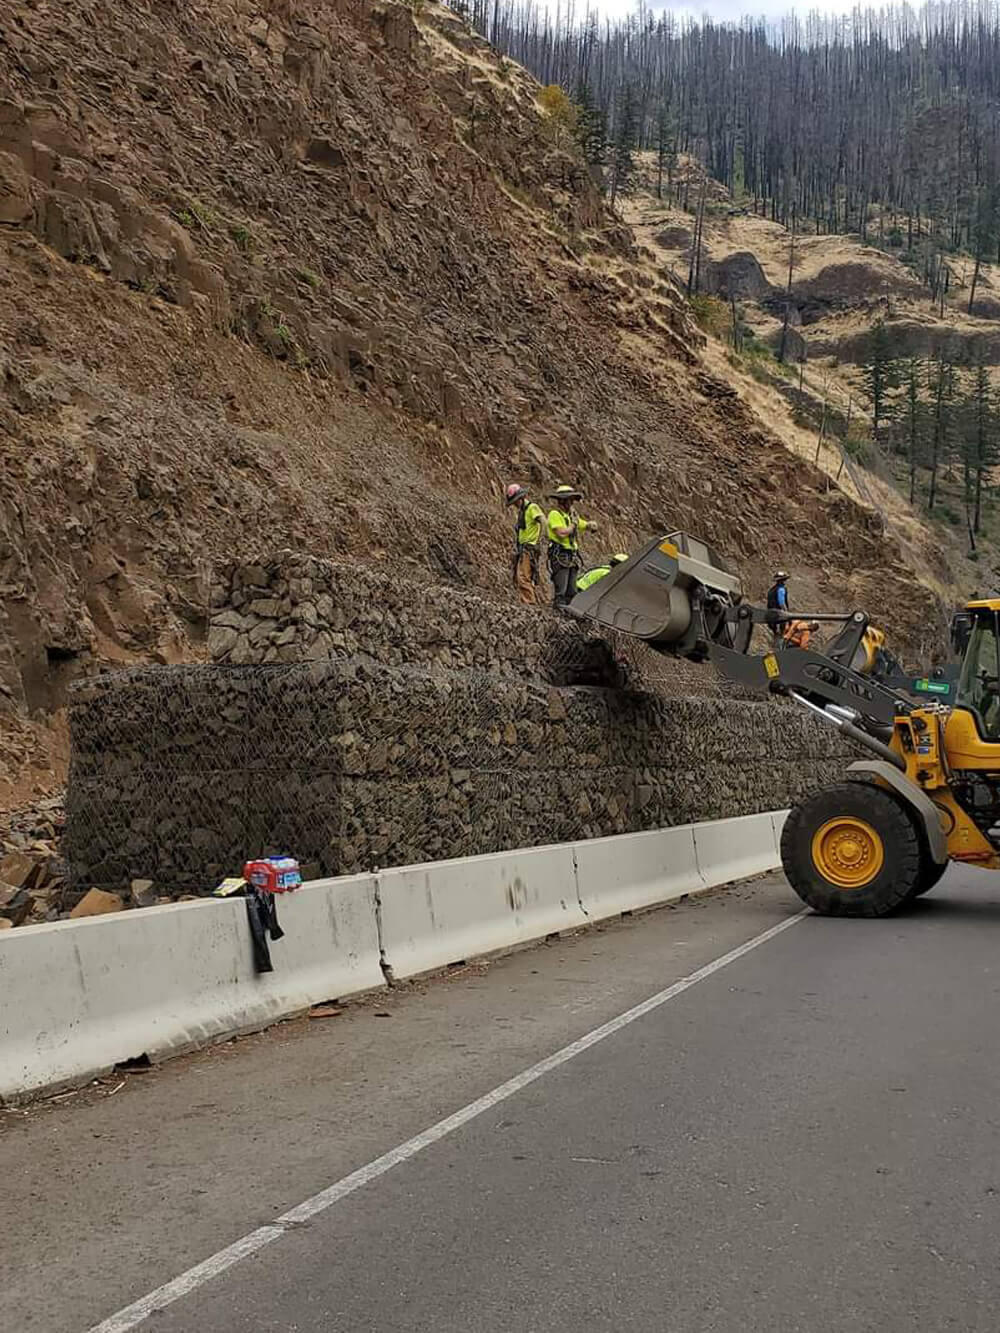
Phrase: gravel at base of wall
x=179 y=774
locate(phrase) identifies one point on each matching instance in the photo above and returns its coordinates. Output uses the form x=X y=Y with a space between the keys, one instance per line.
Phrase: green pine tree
x=942 y=387
x=591 y=128
x=666 y=148
x=982 y=449
x=880 y=375
x=625 y=141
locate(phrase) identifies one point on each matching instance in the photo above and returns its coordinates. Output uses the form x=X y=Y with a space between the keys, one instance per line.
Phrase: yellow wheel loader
x=928 y=791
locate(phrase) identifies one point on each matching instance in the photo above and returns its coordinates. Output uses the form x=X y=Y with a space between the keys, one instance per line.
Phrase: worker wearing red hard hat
x=526 y=556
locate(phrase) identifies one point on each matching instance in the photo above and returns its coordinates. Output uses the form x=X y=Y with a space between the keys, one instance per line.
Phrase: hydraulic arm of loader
x=678 y=597
x=865 y=710
x=860 y=707
x=676 y=594
x=927 y=792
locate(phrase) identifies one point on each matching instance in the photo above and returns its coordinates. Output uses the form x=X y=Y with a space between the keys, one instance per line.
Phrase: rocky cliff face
x=320 y=273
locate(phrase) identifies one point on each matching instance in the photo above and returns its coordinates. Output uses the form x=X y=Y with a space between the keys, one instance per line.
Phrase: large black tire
x=857 y=832
x=929 y=874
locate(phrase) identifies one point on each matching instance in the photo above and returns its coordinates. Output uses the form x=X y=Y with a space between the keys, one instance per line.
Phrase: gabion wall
x=295 y=608
x=179 y=774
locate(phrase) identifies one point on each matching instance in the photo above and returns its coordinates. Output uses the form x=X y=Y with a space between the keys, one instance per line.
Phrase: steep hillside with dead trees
x=325 y=274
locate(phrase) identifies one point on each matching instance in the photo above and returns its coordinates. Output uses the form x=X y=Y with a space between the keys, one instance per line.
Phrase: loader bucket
x=649 y=596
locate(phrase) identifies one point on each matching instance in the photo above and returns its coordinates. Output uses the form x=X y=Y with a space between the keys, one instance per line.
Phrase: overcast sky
x=731 y=11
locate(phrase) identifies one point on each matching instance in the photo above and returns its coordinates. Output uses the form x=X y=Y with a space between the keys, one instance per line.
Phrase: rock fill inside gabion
x=182 y=773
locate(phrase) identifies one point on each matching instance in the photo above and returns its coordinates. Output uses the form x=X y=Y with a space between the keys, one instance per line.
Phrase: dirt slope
x=840 y=287
x=321 y=274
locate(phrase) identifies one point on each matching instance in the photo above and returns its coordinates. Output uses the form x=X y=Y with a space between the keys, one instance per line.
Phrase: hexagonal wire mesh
x=182 y=773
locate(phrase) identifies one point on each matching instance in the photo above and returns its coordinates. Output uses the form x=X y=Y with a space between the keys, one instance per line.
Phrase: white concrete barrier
x=447 y=911
x=778 y=818
x=330 y=946
x=729 y=849
x=636 y=870
x=78 y=997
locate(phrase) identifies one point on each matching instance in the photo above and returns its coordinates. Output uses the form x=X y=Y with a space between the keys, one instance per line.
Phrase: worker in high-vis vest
x=526 y=556
x=592 y=576
x=564 y=531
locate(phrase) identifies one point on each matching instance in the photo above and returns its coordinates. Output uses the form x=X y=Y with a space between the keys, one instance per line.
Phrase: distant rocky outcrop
x=962 y=345
x=674 y=238
x=796 y=347
x=850 y=284
x=738 y=277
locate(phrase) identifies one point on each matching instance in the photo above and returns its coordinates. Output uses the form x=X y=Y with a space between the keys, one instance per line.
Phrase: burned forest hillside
x=324 y=275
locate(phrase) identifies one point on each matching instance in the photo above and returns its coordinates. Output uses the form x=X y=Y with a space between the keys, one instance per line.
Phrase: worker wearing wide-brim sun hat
x=565 y=527
x=778 y=605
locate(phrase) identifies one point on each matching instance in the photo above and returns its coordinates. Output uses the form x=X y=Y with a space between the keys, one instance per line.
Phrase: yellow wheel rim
x=847 y=852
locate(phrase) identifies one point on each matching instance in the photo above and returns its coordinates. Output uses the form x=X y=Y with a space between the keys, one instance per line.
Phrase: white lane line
x=135 y=1314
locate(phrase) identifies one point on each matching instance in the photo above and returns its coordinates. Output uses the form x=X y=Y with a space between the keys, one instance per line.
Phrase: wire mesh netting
x=182 y=773
x=294 y=607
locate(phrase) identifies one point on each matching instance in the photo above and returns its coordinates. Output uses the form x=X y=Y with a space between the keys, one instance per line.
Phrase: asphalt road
x=805 y=1139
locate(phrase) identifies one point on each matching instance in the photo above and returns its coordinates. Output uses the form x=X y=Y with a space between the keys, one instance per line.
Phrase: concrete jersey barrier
x=447 y=911
x=636 y=870
x=78 y=997
x=728 y=849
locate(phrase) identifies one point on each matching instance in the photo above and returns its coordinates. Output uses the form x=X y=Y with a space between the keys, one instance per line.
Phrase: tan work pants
x=523 y=582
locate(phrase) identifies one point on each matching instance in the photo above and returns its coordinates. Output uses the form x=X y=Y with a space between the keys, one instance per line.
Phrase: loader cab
x=978 y=692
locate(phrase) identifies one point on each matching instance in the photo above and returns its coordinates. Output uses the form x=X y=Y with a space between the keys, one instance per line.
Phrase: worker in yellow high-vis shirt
x=592 y=576
x=526 y=556
x=564 y=531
